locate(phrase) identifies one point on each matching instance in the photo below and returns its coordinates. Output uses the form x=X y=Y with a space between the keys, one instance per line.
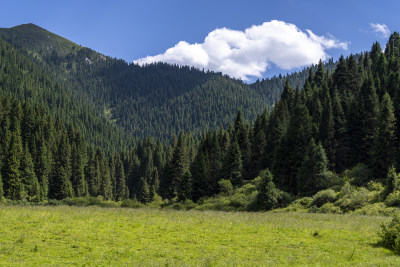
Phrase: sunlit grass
x=117 y=236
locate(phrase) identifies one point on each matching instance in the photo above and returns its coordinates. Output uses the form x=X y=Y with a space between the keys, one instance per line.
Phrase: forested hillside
x=340 y=123
x=157 y=100
x=22 y=79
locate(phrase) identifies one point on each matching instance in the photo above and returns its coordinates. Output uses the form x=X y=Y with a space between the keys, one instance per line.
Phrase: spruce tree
x=43 y=167
x=369 y=107
x=384 y=151
x=319 y=76
x=78 y=161
x=233 y=166
x=200 y=170
x=340 y=76
x=291 y=150
x=28 y=176
x=144 y=191
x=267 y=193
x=120 y=180
x=327 y=130
x=312 y=173
x=1 y=188
x=12 y=183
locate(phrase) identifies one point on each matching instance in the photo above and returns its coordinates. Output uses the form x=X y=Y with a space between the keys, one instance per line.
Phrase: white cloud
x=242 y=54
x=381 y=29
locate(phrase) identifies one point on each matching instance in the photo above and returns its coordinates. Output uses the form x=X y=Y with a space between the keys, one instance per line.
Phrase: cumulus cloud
x=243 y=54
x=380 y=29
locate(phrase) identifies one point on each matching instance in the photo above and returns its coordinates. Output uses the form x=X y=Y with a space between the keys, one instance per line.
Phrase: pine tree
x=327 y=130
x=233 y=166
x=179 y=165
x=369 y=107
x=392 y=181
x=200 y=170
x=340 y=76
x=28 y=176
x=311 y=176
x=78 y=161
x=60 y=185
x=340 y=145
x=288 y=95
x=267 y=193
x=384 y=151
x=144 y=191
x=184 y=187
x=43 y=168
x=12 y=183
x=1 y=188
x=291 y=150
x=319 y=76
x=92 y=174
x=120 y=180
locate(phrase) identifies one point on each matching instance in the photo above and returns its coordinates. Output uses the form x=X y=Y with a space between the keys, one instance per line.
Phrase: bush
x=360 y=174
x=324 y=196
x=329 y=208
x=131 y=203
x=355 y=199
x=304 y=202
x=88 y=201
x=375 y=209
x=225 y=187
x=390 y=234
x=393 y=199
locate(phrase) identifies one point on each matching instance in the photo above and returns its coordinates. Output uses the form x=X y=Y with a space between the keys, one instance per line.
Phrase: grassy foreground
x=116 y=236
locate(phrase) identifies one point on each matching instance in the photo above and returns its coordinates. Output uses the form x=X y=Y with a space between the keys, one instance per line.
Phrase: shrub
x=390 y=234
x=131 y=203
x=225 y=187
x=393 y=199
x=329 y=208
x=375 y=209
x=360 y=174
x=304 y=202
x=324 y=196
x=355 y=199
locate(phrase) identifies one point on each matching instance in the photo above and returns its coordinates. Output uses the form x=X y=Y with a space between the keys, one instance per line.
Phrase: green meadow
x=93 y=236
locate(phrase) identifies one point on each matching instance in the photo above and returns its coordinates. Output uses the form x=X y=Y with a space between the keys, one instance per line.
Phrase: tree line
x=339 y=119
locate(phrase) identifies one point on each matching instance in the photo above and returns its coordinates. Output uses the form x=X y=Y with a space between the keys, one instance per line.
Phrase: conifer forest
x=76 y=124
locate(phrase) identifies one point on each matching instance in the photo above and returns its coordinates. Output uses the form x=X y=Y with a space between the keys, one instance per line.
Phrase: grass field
x=143 y=237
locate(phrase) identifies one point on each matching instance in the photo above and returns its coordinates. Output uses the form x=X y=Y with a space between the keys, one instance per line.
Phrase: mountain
x=158 y=100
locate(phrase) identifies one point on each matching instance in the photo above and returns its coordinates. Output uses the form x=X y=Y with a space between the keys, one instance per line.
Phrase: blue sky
x=133 y=30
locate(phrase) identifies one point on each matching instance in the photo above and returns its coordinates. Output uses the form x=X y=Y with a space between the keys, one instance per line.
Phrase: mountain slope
x=159 y=100
x=22 y=79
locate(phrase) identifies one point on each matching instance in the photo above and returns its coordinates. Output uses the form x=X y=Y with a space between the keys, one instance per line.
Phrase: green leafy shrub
x=329 y=208
x=393 y=199
x=225 y=186
x=390 y=234
x=354 y=199
x=324 y=196
x=131 y=203
x=360 y=174
x=375 y=209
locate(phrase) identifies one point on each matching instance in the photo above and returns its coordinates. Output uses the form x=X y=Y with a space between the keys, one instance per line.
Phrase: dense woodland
x=340 y=119
x=114 y=103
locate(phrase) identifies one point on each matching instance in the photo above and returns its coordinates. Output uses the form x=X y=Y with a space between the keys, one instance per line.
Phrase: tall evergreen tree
x=120 y=180
x=267 y=193
x=291 y=150
x=28 y=176
x=369 y=107
x=384 y=151
x=311 y=176
x=13 y=187
x=233 y=166
x=1 y=188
